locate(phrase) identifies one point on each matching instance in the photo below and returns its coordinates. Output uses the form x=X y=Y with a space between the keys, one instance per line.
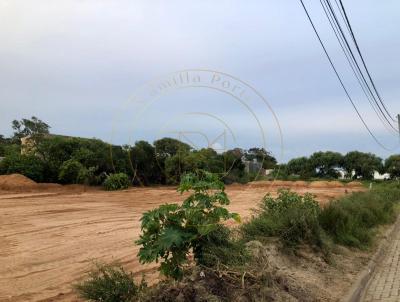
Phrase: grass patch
x=109 y=283
x=221 y=247
x=352 y=220
x=290 y=217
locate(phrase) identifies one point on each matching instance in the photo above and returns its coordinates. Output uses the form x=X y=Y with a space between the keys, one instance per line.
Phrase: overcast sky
x=75 y=64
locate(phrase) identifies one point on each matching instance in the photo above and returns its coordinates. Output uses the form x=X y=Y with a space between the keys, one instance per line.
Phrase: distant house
x=342 y=173
x=379 y=176
x=252 y=166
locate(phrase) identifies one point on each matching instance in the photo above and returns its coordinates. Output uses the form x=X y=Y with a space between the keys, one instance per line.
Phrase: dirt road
x=48 y=240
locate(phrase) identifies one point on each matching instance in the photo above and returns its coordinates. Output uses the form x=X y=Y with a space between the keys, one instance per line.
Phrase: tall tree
x=300 y=166
x=145 y=166
x=362 y=164
x=33 y=128
x=325 y=163
x=261 y=155
x=392 y=165
x=167 y=147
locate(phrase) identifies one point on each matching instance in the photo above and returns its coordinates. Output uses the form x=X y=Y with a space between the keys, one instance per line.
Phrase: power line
x=340 y=36
x=362 y=58
x=339 y=78
x=347 y=45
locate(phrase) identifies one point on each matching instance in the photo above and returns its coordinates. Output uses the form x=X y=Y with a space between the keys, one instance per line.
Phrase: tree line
x=68 y=160
x=352 y=165
x=55 y=158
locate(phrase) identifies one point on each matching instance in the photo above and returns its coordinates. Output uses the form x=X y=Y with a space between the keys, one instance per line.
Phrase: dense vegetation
x=352 y=219
x=55 y=158
x=291 y=217
x=329 y=165
x=171 y=232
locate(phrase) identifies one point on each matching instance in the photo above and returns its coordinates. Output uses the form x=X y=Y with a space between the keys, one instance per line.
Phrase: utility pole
x=398 y=121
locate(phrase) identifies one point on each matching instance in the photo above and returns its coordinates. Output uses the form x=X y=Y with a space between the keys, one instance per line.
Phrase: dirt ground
x=50 y=237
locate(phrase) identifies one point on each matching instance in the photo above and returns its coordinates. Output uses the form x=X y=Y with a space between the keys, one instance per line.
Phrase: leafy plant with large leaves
x=171 y=231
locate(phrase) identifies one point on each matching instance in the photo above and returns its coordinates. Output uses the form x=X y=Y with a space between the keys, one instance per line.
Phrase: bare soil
x=50 y=235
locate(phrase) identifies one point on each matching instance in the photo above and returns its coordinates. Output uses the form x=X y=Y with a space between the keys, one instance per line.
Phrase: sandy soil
x=49 y=239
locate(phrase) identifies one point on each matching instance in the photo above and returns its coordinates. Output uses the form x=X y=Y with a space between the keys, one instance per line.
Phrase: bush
x=118 y=181
x=351 y=220
x=28 y=165
x=87 y=176
x=219 y=247
x=69 y=171
x=291 y=217
x=109 y=283
x=171 y=231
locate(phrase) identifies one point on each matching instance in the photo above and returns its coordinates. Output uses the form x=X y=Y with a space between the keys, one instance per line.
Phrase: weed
x=109 y=283
x=351 y=220
x=291 y=217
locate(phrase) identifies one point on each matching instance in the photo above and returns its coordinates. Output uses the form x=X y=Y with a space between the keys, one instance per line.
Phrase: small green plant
x=171 y=231
x=291 y=217
x=118 y=181
x=109 y=283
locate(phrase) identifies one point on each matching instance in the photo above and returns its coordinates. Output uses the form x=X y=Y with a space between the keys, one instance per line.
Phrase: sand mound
x=260 y=184
x=279 y=184
x=326 y=184
x=300 y=184
x=336 y=184
x=319 y=184
x=273 y=183
x=16 y=182
x=354 y=184
x=282 y=183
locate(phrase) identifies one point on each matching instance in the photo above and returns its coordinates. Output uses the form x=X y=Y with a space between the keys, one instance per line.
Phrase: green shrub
x=118 y=181
x=351 y=220
x=28 y=165
x=291 y=217
x=109 y=283
x=220 y=247
x=87 y=176
x=171 y=231
x=69 y=171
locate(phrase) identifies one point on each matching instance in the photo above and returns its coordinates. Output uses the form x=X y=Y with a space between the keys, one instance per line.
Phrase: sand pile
x=16 y=182
x=319 y=184
x=335 y=184
x=326 y=184
x=282 y=183
x=354 y=184
x=300 y=184
x=274 y=183
x=260 y=184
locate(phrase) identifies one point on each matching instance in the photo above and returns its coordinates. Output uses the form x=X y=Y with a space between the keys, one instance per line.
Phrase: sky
x=89 y=68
